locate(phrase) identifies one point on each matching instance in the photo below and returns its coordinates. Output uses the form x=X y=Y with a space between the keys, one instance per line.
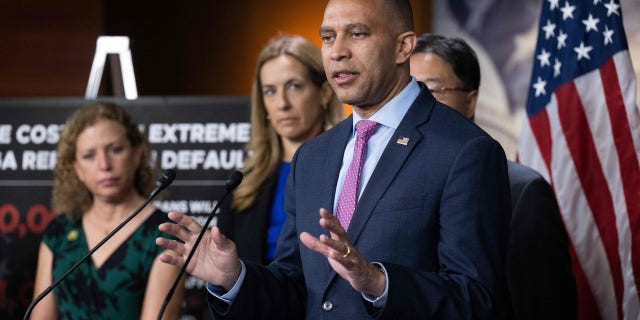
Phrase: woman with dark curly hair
x=102 y=175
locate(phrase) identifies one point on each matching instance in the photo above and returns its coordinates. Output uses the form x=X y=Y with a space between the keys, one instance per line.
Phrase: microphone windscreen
x=234 y=180
x=165 y=179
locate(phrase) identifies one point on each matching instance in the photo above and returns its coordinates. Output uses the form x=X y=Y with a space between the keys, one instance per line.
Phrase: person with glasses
x=539 y=275
x=443 y=65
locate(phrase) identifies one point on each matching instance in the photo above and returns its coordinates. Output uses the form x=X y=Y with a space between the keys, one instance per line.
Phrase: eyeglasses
x=440 y=93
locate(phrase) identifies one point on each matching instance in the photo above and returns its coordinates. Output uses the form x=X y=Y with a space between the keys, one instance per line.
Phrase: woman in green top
x=102 y=175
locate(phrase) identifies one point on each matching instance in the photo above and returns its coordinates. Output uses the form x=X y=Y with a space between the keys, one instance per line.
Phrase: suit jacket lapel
x=404 y=140
x=391 y=161
x=335 y=152
x=333 y=162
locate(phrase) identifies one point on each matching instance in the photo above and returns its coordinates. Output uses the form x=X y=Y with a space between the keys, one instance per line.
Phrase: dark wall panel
x=196 y=48
x=46 y=48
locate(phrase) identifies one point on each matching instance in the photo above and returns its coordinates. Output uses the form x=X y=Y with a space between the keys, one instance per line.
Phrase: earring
x=268 y=117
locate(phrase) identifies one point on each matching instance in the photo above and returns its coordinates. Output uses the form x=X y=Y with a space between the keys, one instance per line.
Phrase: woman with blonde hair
x=291 y=102
x=102 y=175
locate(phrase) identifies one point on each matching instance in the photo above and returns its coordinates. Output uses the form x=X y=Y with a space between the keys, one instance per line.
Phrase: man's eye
x=327 y=38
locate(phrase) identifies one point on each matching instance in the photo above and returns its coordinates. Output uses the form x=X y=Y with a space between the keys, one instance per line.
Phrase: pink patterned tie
x=349 y=194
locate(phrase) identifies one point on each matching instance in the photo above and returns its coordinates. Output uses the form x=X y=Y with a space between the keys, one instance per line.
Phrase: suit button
x=327 y=306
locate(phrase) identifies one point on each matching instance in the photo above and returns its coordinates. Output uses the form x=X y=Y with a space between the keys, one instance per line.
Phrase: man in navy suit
x=427 y=238
x=539 y=274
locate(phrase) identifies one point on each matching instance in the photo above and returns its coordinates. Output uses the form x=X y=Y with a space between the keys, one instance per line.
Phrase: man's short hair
x=457 y=53
x=401 y=12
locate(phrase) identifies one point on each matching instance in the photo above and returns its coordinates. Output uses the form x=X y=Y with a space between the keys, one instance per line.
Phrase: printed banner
x=201 y=138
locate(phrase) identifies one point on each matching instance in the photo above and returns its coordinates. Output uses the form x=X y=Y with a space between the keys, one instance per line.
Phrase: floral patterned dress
x=116 y=289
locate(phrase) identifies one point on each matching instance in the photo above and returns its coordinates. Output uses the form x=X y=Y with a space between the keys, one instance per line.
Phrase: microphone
x=163 y=182
x=234 y=179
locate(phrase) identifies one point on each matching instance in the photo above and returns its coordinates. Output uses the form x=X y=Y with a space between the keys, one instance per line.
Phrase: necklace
x=102 y=227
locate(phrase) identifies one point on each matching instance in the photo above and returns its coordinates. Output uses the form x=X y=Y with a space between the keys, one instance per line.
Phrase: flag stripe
x=542 y=133
x=587 y=306
x=629 y=169
x=627 y=82
x=592 y=178
x=580 y=224
x=592 y=89
x=532 y=156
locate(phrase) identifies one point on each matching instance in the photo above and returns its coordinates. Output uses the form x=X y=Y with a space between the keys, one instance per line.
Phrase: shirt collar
x=393 y=111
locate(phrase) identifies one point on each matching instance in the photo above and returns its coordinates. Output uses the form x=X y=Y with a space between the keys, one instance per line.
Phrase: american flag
x=582 y=135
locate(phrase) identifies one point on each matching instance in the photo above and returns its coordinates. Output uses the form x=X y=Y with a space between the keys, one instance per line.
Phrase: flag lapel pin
x=403 y=141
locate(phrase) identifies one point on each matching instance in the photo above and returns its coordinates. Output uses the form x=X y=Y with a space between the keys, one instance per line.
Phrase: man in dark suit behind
x=539 y=274
x=427 y=238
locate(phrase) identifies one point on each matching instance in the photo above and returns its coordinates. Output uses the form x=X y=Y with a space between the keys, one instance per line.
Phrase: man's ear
x=406 y=45
x=471 y=99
